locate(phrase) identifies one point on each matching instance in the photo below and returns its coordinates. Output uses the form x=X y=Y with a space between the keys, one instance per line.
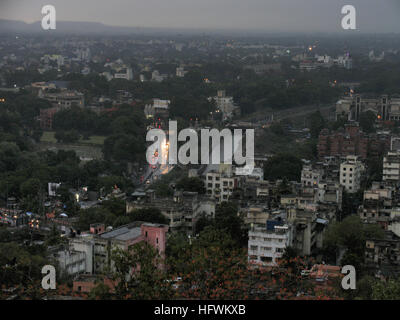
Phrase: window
x=253 y=247
x=157 y=240
x=266 y=259
x=146 y=234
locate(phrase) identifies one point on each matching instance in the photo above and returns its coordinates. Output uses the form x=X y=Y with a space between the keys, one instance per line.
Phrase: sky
x=265 y=15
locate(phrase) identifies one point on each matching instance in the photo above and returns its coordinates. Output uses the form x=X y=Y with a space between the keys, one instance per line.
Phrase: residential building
x=350 y=174
x=220 y=185
x=391 y=167
x=311 y=176
x=91 y=253
x=267 y=243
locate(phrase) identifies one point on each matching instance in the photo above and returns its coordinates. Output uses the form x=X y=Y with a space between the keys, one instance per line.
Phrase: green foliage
x=70 y=136
x=139 y=273
x=163 y=189
x=193 y=184
x=351 y=235
x=100 y=292
x=18 y=265
x=367 y=121
x=316 y=124
x=386 y=290
x=152 y=215
x=227 y=220
x=283 y=166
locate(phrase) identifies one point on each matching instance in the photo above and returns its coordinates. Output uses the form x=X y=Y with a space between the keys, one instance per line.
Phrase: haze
x=262 y=15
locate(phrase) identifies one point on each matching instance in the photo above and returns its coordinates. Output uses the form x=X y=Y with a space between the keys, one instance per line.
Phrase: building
x=377 y=205
x=158 y=108
x=267 y=243
x=180 y=72
x=220 y=185
x=391 y=167
x=182 y=210
x=91 y=253
x=385 y=107
x=311 y=176
x=225 y=105
x=350 y=174
x=127 y=75
x=64 y=98
x=352 y=141
x=156 y=76
x=383 y=255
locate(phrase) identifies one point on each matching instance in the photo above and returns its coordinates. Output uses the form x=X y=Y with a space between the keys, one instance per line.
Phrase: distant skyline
x=261 y=15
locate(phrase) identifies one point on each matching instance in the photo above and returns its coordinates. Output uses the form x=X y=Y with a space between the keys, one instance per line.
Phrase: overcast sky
x=267 y=15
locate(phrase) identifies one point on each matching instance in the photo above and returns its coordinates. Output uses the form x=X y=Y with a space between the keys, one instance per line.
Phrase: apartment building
x=220 y=185
x=267 y=243
x=311 y=176
x=351 y=141
x=350 y=174
x=91 y=253
x=182 y=210
x=391 y=167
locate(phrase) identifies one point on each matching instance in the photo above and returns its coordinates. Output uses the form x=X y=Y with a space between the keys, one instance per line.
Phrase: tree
x=227 y=219
x=193 y=184
x=350 y=234
x=283 y=166
x=367 y=121
x=100 y=292
x=70 y=136
x=316 y=124
x=139 y=273
x=30 y=187
x=386 y=290
x=152 y=215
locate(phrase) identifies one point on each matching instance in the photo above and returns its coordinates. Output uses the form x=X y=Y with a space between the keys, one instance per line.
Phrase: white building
x=158 y=106
x=128 y=74
x=156 y=76
x=219 y=185
x=180 y=72
x=267 y=244
x=391 y=167
x=350 y=174
x=311 y=177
